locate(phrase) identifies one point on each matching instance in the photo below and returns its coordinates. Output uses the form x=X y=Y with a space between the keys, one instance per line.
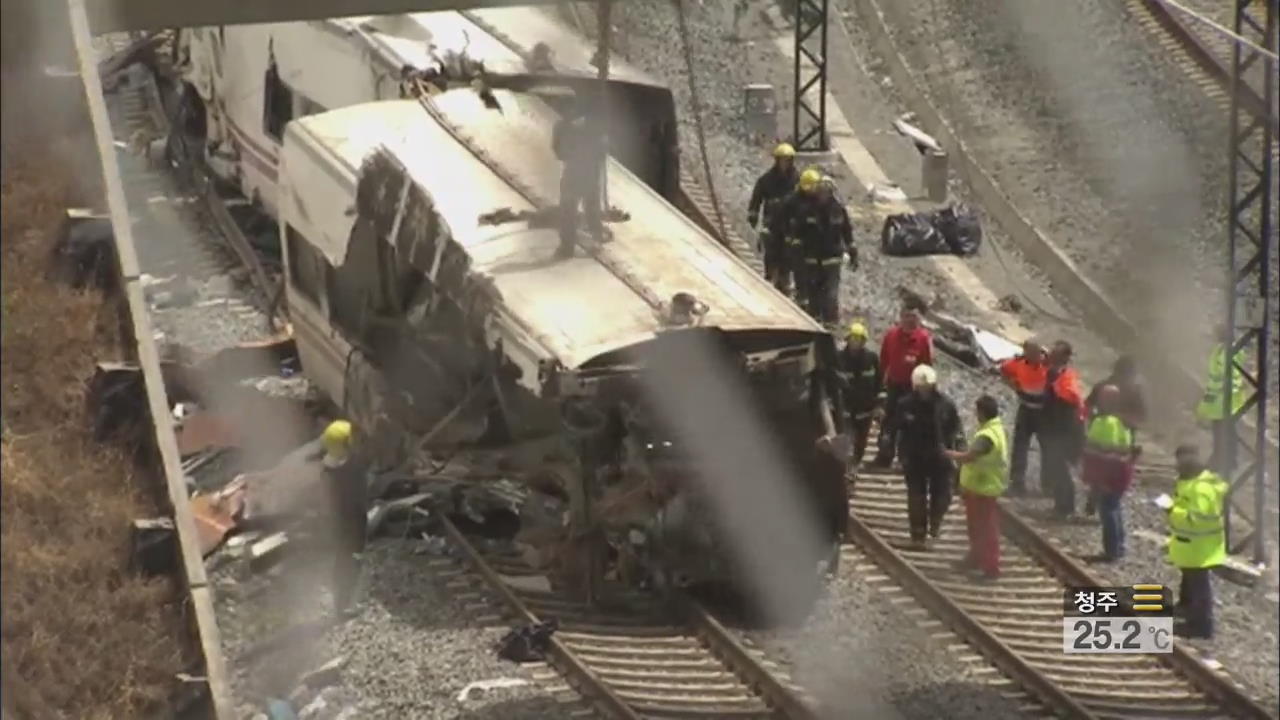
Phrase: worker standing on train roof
x=1197 y=540
x=1062 y=438
x=1110 y=452
x=859 y=370
x=1212 y=410
x=771 y=189
x=820 y=236
x=1026 y=374
x=346 y=490
x=906 y=346
x=984 y=469
x=578 y=141
x=929 y=425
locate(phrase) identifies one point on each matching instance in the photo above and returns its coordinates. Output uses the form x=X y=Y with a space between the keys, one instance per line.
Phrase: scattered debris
x=215 y=514
x=1240 y=572
x=250 y=360
x=528 y=643
x=265 y=553
x=325 y=675
x=951 y=230
x=155 y=546
x=278 y=709
x=1009 y=303
x=201 y=431
x=117 y=402
x=923 y=141
x=886 y=194
x=84 y=253
x=487 y=685
x=528 y=583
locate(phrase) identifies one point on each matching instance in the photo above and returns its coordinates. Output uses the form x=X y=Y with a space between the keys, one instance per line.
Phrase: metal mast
x=810 y=124
x=1251 y=236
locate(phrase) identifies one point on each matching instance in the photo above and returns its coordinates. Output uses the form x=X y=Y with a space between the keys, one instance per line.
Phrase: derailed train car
x=410 y=296
x=244 y=83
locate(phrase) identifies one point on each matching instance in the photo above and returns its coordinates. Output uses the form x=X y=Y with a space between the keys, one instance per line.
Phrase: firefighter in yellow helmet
x=817 y=225
x=862 y=391
x=343 y=532
x=770 y=190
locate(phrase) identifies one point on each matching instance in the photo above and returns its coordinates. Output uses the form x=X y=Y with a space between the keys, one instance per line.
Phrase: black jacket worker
x=929 y=423
x=771 y=189
x=859 y=369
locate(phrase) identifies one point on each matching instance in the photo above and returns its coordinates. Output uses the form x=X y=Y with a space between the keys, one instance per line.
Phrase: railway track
x=1015 y=623
x=645 y=661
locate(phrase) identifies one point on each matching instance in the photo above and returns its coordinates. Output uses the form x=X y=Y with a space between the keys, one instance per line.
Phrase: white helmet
x=923 y=375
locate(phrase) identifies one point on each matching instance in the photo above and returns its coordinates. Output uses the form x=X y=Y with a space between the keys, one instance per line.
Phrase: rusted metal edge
x=561 y=656
x=268 y=295
x=725 y=646
x=960 y=621
x=1213 y=683
x=1211 y=63
x=1105 y=316
x=148 y=359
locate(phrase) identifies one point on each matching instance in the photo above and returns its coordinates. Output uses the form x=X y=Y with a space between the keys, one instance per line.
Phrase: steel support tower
x=809 y=133
x=1251 y=237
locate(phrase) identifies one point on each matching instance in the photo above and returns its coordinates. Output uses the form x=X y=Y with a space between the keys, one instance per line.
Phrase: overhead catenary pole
x=604 y=34
x=1251 y=238
x=809 y=132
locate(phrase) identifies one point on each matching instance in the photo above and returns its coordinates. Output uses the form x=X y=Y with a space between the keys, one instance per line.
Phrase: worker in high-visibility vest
x=1197 y=539
x=1212 y=410
x=1107 y=468
x=984 y=474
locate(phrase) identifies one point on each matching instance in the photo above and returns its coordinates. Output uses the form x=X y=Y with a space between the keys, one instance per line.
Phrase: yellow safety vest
x=1196 y=534
x=1108 y=436
x=987 y=474
x=1213 y=404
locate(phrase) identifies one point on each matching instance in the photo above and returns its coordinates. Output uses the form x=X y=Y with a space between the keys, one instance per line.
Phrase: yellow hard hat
x=784 y=150
x=858 y=330
x=337 y=438
x=809 y=179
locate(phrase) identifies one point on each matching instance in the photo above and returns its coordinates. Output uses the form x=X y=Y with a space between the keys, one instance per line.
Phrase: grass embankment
x=82 y=637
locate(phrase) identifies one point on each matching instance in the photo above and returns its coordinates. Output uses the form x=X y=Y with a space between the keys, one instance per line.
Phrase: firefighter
x=1107 y=468
x=771 y=189
x=929 y=426
x=1062 y=437
x=906 y=346
x=984 y=471
x=1197 y=541
x=346 y=488
x=578 y=141
x=1026 y=375
x=859 y=369
x=817 y=224
x=1212 y=410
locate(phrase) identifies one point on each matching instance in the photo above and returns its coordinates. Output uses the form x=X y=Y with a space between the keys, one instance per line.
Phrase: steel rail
x=717 y=639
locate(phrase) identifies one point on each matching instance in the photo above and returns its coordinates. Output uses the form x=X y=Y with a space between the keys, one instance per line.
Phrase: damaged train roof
x=495 y=36
x=576 y=309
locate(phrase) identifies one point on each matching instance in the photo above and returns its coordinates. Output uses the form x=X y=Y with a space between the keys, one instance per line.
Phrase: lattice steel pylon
x=1251 y=236
x=809 y=124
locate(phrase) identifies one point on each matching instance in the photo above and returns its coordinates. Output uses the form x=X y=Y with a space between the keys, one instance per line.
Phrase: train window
x=306 y=266
x=277 y=103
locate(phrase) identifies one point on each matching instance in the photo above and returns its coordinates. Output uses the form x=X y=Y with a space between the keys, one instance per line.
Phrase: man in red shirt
x=1062 y=438
x=904 y=347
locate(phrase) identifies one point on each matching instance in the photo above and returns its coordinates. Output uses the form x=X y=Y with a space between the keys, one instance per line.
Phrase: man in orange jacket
x=1062 y=438
x=1026 y=374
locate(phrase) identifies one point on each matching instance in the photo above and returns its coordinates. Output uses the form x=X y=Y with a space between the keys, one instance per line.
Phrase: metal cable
x=697 y=118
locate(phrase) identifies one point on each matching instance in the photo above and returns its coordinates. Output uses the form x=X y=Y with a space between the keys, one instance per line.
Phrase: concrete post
x=933 y=175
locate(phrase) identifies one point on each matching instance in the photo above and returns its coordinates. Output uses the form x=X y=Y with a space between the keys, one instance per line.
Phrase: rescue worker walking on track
x=906 y=346
x=1212 y=410
x=929 y=425
x=346 y=492
x=578 y=141
x=1063 y=429
x=1026 y=375
x=984 y=471
x=816 y=219
x=1107 y=469
x=859 y=370
x=1197 y=541
x=770 y=191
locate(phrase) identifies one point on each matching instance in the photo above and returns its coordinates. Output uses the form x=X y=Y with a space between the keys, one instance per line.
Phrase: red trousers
x=982 y=517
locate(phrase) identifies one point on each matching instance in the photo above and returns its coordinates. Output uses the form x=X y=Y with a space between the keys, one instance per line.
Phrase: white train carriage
x=408 y=292
x=251 y=80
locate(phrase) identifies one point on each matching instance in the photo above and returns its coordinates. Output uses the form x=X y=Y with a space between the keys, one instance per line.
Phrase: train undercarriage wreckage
x=428 y=305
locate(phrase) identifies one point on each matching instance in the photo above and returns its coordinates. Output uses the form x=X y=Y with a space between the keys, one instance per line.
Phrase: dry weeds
x=82 y=637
